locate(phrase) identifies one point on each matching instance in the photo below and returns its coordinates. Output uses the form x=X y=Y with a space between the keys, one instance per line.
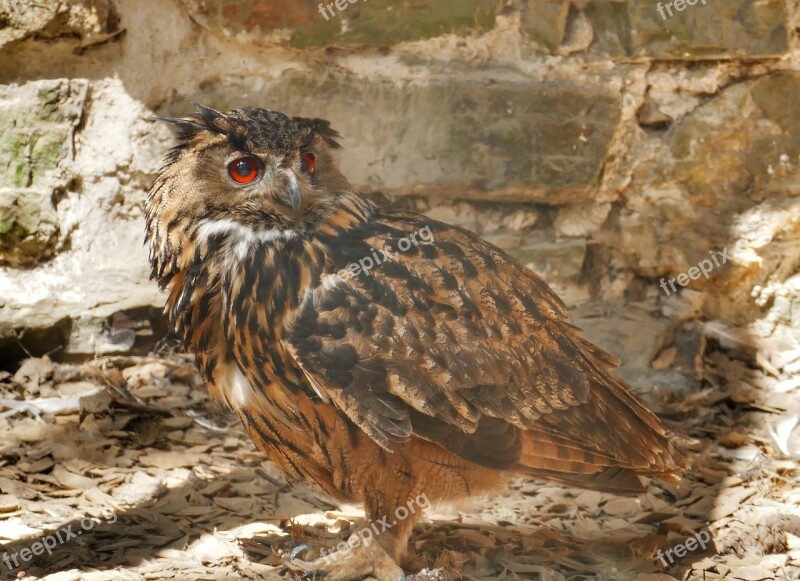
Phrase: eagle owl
x=441 y=370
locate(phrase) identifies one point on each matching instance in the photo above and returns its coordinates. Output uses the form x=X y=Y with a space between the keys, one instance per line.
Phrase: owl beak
x=293 y=190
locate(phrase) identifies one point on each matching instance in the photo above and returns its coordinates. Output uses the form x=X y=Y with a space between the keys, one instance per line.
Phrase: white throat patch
x=241 y=238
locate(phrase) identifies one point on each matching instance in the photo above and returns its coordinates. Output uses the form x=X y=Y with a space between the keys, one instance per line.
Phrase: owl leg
x=370 y=562
x=373 y=551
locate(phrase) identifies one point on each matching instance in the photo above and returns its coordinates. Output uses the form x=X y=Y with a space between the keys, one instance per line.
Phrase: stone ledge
x=709 y=29
x=356 y=22
x=476 y=138
x=669 y=29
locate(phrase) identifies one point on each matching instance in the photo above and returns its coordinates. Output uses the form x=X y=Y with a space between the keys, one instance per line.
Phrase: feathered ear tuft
x=320 y=127
x=211 y=117
x=204 y=119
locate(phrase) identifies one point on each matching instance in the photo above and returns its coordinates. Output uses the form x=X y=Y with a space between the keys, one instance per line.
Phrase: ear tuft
x=204 y=119
x=210 y=116
x=322 y=128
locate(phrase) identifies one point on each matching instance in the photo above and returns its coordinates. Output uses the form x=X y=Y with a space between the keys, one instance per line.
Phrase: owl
x=380 y=356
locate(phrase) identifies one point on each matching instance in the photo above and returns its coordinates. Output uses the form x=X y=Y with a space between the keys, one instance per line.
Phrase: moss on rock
x=35 y=150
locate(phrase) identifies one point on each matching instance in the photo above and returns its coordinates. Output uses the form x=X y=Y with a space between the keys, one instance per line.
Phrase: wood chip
x=754 y=573
x=69 y=479
x=665 y=359
x=14 y=529
x=8 y=503
x=169 y=459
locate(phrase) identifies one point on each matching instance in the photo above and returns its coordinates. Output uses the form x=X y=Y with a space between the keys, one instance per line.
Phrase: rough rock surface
x=38 y=120
x=605 y=144
x=465 y=133
x=91 y=21
x=616 y=147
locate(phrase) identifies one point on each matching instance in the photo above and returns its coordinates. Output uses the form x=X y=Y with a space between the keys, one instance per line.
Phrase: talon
x=297 y=550
x=372 y=562
x=283 y=570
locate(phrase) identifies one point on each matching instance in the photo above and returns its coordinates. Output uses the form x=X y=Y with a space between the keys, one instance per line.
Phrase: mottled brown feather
x=444 y=369
x=472 y=334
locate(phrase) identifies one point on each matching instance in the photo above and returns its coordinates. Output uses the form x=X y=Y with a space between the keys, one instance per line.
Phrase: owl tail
x=557 y=459
x=606 y=450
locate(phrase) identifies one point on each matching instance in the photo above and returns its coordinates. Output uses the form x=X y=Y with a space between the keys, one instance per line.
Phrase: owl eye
x=307 y=163
x=243 y=170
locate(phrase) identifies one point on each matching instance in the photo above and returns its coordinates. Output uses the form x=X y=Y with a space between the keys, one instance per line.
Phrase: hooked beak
x=293 y=190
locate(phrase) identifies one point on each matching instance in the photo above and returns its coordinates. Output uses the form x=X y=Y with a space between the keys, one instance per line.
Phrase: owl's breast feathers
x=447 y=339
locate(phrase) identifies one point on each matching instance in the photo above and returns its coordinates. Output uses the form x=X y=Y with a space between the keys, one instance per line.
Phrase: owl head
x=249 y=169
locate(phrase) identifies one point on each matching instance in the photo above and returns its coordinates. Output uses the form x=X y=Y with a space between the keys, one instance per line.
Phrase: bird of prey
x=442 y=370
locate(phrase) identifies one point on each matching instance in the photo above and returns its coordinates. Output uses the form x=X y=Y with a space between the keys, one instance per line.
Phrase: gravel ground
x=121 y=468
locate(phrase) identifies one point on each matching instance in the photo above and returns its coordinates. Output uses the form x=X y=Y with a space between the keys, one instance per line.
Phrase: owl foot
x=370 y=562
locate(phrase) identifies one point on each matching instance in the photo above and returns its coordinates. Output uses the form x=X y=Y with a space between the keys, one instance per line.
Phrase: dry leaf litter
x=155 y=481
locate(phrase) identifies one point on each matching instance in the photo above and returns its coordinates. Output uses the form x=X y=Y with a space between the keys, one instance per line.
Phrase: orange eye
x=307 y=163
x=243 y=170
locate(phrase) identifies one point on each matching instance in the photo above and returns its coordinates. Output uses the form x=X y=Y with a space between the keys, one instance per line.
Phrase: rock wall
x=607 y=144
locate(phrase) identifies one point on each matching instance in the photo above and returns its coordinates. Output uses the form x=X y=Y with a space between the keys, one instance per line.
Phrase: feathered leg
x=374 y=550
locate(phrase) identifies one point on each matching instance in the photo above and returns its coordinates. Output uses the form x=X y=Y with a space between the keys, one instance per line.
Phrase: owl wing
x=451 y=340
